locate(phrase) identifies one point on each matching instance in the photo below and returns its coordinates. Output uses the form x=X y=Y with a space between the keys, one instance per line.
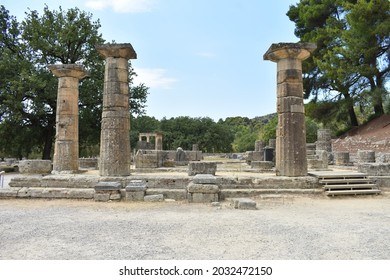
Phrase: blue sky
x=200 y=58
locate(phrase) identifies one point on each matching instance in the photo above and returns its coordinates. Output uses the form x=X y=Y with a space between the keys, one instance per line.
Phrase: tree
x=368 y=43
x=344 y=30
x=185 y=131
x=28 y=90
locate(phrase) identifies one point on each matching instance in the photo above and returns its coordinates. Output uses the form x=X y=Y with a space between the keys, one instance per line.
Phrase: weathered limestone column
x=66 y=147
x=291 y=132
x=159 y=142
x=115 y=132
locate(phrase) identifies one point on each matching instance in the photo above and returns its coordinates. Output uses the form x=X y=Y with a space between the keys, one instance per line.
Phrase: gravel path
x=299 y=228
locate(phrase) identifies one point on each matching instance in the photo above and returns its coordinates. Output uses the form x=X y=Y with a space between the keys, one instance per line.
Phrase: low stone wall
x=172 y=187
x=375 y=169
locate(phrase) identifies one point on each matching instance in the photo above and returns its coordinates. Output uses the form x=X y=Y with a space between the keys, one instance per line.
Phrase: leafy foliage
x=350 y=67
x=28 y=90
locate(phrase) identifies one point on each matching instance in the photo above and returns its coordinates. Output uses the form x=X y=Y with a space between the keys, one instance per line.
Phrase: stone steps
x=348 y=183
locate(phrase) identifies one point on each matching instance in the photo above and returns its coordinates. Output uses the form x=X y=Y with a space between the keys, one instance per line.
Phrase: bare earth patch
x=294 y=228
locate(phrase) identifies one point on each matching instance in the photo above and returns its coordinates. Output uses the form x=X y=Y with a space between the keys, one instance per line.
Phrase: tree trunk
x=351 y=110
x=48 y=142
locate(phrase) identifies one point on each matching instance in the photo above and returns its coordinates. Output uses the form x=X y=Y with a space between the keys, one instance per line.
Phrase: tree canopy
x=28 y=90
x=350 y=68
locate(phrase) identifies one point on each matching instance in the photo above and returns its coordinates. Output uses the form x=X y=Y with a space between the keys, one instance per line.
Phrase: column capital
x=280 y=51
x=68 y=70
x=117 y=50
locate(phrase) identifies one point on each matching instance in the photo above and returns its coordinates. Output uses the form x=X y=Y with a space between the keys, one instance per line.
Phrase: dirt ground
x=283 y=229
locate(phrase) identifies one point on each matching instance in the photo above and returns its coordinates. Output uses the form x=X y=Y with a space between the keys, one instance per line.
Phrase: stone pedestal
x=342 y=158
x=115 y=132
x=291 y=132
x=105 y=191
x=66 y=147
x=135 y=190
x=195 y=168
x=203 y=189
x=366 y=156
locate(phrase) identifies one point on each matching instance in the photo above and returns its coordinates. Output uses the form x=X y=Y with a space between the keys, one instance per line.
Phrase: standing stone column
x=115 y=132
x=291 y=132
x=66 y=147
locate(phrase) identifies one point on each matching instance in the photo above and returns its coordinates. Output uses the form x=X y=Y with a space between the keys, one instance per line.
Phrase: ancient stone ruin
x=115 y=153
x=66 y=147
x=291 y=132
x=192 y=178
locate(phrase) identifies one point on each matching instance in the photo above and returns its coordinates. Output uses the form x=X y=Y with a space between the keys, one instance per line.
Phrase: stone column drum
x=291 y=132
x=66 y=147
x=115 y=131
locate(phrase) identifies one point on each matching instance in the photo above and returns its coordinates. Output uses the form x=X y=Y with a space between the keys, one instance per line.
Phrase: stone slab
x=243 y=203
x=154 y=198
x=204 y=179
x=102 y=197
x=202 y=188
x=108 y=186
x=136 y=186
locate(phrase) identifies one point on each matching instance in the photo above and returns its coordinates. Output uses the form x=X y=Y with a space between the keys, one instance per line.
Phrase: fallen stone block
x=243 y=203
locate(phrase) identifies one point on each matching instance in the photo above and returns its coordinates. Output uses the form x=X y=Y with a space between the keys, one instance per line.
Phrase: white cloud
x=122 y=6
x=154 y=78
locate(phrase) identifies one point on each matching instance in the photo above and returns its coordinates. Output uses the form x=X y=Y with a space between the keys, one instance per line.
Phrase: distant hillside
x=374 y=135
x=264 y=119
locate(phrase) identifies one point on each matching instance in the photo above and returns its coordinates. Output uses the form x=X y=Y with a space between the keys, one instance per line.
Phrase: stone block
x=202 y=188
x=243 y=203
x=154 y=198
x=35 y=166
x=135 y=190
x=108 y=186
x=366 y=156
x=102 y=197
x=136 y=185
x=342 y=158
x=203 y=197
x=375 y=169
x=115 y=196
x=204 y=179
x=9 y=192
x=263 y=165
x=202 y=168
